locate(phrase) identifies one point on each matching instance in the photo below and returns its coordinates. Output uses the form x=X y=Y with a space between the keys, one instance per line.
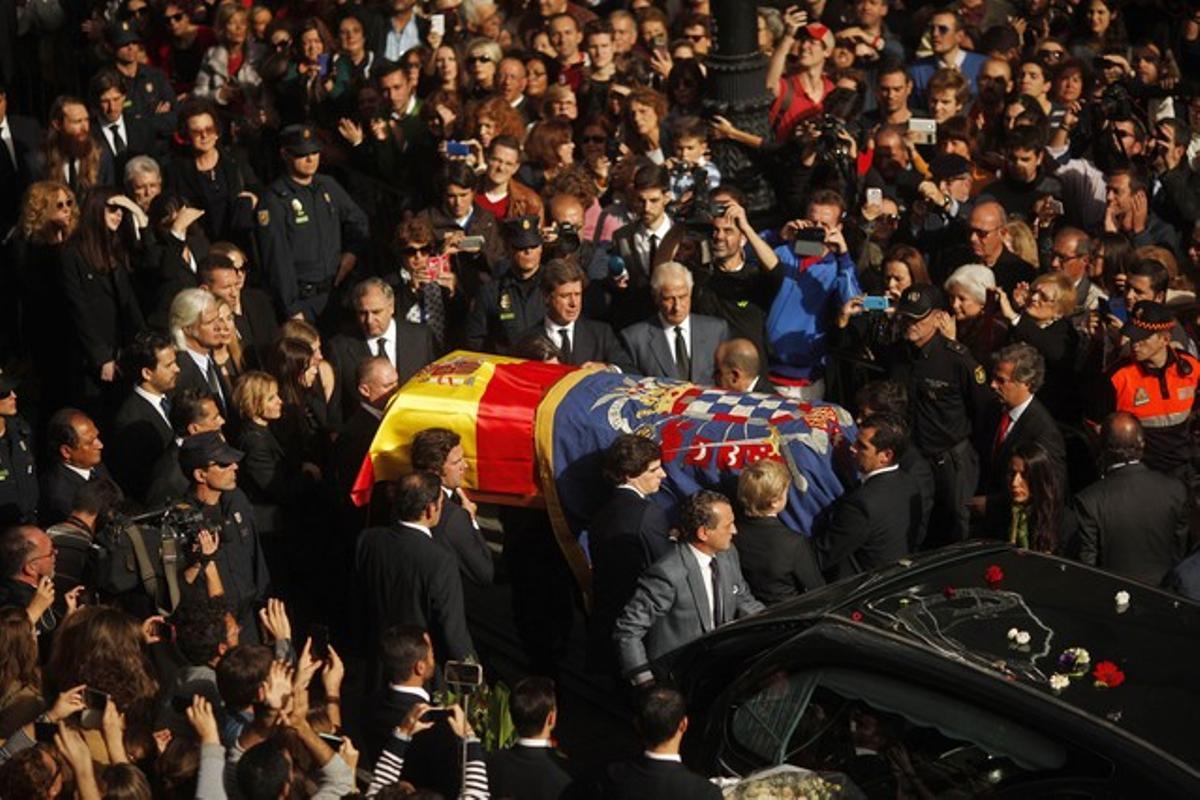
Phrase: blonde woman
x=777 y=561
x=262 y=473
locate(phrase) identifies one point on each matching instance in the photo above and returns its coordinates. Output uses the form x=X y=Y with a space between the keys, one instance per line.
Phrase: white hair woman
x=977 y=323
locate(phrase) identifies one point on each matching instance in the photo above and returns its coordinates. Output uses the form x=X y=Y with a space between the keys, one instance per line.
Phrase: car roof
x=944 y=601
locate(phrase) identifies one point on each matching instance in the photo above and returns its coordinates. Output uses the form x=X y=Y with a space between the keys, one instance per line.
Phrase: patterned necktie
x=435 y=312
x=565 y=335
x=718 y=609
x=683 y=364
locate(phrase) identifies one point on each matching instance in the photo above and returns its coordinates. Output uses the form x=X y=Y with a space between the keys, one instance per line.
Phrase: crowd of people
x=231 y=231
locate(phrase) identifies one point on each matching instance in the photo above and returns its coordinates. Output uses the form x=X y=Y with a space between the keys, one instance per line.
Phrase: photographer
x=817 y=271
x=75 y=536
x=224 y=556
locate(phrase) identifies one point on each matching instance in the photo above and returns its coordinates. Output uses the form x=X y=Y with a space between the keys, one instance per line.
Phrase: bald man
x=737 y=367
x=985 y=236
x=28 y=560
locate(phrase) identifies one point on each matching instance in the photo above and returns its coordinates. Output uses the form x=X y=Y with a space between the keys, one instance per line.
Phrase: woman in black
x=213 y=178
x=96 y=281
x=1033 y=515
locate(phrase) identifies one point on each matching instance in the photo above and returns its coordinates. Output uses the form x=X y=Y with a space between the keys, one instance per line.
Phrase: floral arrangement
x=1075 y=661
x=487 y=710
x=785 y=781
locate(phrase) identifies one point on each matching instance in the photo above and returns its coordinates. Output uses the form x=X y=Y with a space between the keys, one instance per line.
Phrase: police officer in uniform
x=309 y=230
x=210 y=465
x=947 y=388
x=506 y=308
x=18 y=474
x=149 y=95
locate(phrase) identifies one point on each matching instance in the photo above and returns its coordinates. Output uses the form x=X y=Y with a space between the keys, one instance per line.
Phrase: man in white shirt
x=142 y=428
x=401 y=30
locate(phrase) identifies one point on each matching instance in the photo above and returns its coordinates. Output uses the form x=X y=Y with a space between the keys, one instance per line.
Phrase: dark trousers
x=955 y=475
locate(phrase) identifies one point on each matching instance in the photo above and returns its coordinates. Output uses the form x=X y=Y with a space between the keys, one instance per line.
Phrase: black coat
x=431 y=761
x=257 y=326
x=777 y=562
x=872 y=525
x=102 y=307
x=167 y=480
x=191 y=377
x=227 y=217
x=19 y=484
x=627 y=535
x=27 y=144
x=264 y=476
x=140 y=434
x=404 y=578
x=1058 y=343
x=593 y=341
x=140 y=140
x=643 y=778
x=350 y=448
x=414 y=349
x=1034 y=426
x=1133 y=521
x=166 y=272
x=58 y=487
x=527 y=773
x=459 y=536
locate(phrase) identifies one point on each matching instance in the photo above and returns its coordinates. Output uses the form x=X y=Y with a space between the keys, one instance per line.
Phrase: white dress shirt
x=705 y=561
x=6 y=137
x=554 y=335
x=417 y=527
x=641 y=239
x=86 y=474
x=154 y=399
x=1014 y=414
x=107 y=127
x=389 y=344
x=669 y=332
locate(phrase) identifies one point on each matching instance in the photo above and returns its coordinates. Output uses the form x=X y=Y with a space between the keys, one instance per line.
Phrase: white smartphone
x=437 y=24
x=874 y=196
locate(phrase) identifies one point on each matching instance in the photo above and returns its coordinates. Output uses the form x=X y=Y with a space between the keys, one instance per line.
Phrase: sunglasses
x=210 y=130
x=412 y=65
x=695 y=37
x=65 y=204
x=983 y=233
x=479 y=60
x=940 y=29
x=139 y=12
x=594 y=139
x=6 y=395
x=413 y=250
x=179 y=17
x=281 y=44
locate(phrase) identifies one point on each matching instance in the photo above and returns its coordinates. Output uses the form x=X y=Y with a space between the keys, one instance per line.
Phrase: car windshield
x=884 y=734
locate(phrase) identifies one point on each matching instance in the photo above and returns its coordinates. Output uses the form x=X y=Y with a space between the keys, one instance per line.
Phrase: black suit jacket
x=167 y=272
x=527 y=773
x=871 y=525
x=102 y=307
x=140 y=140
x=350 y=448
x=140 y=435
x=777 y=562
x=414 y=349
x=404 y=578
x=264 y=476
x=167 y=481
x=627 y=535
x=192 y=377
x=58 y=487
x=27 y=144
x=456 y=533
x=592 y=341
x=644 y=778
x=1133 y=521
x=431 y=761
x=257 y=326
x=1034 y=426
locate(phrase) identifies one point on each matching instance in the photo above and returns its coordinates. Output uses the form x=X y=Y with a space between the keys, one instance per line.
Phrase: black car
x=943 y=676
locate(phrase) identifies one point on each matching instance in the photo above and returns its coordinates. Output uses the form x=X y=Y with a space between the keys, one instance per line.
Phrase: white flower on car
x=1058 y=682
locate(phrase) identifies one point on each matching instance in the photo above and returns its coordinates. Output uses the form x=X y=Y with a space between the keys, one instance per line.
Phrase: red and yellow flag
x=489 y=401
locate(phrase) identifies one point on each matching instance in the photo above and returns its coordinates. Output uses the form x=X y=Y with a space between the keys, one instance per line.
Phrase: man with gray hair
x=1017 y=375
x=1071 y=255
x=143 y=180
x=195 y=326
x=675 y=343
x=1134 y=520
x=407 y=345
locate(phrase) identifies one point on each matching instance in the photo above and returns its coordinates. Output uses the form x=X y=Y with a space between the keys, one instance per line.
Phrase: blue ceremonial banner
x=707 y=436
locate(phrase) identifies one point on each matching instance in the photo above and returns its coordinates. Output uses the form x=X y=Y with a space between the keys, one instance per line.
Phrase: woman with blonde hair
x=228 y=354
x=230 y=67
x=778 y=562
x=262 y=473
x=1020 y=241
x=1039 y=314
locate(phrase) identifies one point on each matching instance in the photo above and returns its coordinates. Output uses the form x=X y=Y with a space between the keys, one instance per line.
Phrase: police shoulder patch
x=980 y=375
x=264 y=217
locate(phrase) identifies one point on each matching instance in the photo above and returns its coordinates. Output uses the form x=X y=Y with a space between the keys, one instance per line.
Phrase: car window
x=892 y=738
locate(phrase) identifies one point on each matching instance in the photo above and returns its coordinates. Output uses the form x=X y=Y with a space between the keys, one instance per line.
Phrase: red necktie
x=1005 y=422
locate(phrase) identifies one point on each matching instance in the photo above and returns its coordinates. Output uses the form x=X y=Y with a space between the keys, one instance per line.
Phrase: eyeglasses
x=416 y=249
x=1063 y=257
x=1041 y=297
x=53 y=552
x=195 y=133
x=62 y=205
x=1053 y=55
x=179 y=17
x=983 y=233
x=479 y=60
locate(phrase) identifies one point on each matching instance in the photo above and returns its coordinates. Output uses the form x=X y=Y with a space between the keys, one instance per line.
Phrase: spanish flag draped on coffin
x=536 y=432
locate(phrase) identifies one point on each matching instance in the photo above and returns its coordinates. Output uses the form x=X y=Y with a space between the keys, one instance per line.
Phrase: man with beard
x=72 y=155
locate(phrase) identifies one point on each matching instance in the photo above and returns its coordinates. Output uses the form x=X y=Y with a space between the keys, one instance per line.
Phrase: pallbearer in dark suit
x=629 y=533
x=531 y=769
x=377 y=382
x=404 y=578
x=407 y=345
x=778 y=562
x=692 y=590
x=579 y=340
x=873 y=524
x=73 y=441
x=142 y=427
x=439 y=451
x=659 y=771
x=737 y=367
